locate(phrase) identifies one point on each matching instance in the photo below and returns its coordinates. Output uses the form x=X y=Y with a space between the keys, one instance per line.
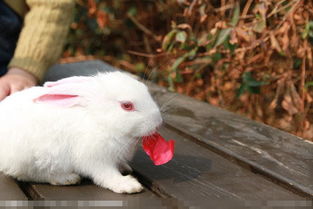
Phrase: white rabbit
x=77 y=126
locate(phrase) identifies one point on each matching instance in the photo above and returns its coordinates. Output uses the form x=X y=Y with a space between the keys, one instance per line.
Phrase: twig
x=222 y=6
x=275 y=10
x=128 y=65
x=245 y=10
x=191 y=7
x=143 y=28
x=289 y=13
x=253 y=45
x=145 y=55
x=151 y=60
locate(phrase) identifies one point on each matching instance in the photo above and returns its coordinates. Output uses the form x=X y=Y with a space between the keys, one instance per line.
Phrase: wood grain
x=272 y=152
x=88 y=192
x=9 y=190
x=197 y=176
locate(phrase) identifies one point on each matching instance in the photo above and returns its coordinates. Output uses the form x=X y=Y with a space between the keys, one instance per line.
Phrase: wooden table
x=222 y=160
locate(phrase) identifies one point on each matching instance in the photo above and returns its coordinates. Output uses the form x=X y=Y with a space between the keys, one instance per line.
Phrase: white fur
x=45 y=143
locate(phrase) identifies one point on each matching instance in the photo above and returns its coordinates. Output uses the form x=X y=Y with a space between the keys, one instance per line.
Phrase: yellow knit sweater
x=46 y=23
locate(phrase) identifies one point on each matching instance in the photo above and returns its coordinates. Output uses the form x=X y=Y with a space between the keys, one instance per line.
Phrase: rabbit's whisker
x=168 y=102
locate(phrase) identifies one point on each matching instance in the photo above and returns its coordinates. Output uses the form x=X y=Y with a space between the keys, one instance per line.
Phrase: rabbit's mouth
x=153 y=132
x=150 y=134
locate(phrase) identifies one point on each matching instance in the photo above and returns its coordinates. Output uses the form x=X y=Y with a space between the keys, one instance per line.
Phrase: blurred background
x=250 y=57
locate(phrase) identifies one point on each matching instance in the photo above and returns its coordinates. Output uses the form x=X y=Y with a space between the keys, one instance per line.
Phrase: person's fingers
x=4 y=90
x=16 y=87
x=15 y=80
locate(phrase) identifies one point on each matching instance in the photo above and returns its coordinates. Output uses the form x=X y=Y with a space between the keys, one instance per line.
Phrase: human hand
x=15 y=80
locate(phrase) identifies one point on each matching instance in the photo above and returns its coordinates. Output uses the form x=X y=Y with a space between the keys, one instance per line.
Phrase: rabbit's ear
x=63 y=93
x=74 y=79
x=62 y=100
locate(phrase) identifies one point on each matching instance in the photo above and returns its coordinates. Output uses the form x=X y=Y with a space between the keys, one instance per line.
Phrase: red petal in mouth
x=158 y=149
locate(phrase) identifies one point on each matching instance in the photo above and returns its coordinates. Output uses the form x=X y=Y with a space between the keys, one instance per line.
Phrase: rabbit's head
x=114 y=100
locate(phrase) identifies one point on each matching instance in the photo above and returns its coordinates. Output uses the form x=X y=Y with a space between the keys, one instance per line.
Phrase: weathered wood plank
x=9 y=190
x=270 y=151
x=198 y=176
x=86 y=191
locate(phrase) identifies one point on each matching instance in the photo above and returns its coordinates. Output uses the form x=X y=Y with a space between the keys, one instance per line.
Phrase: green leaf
x=181 y=59
x=179 y=78
x=236 y=15
x=253 y=90
x=92 y=24
x=308 y=84
x=241 y=90
x=216 y=56
x=170 y=81
x=247 y=77
x=259 y=26
x=175 y=65
x=168 y=39
x=308 y=29
x=249 y=84
x=177 y=62
x=222 y=36
x=212 y=39
x=181 y=36
x=171 y=46
x=225 y=66
x=250 y=81
x=229 y=46
x=255 y=83
x=198 y=75
x=297 y=63
x=132 y=11
x=209 y=46
x=140 y=67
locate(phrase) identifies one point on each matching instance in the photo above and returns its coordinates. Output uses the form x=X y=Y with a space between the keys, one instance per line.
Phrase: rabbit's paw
x=126 y=184
x=65 y=179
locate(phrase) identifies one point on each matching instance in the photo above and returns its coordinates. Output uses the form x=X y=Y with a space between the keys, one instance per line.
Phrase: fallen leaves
x=212 y=50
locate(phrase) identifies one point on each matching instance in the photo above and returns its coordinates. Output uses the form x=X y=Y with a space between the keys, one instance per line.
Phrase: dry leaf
x=243 y=34
x=275 y=44
x=102 y=19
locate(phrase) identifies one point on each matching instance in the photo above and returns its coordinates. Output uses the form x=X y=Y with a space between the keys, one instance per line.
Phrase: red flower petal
x=158 y=149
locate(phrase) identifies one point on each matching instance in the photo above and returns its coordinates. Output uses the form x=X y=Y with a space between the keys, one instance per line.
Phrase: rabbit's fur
x=94 y=136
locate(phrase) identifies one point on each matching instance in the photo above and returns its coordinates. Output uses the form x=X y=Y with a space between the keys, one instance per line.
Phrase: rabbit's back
x=31 y=137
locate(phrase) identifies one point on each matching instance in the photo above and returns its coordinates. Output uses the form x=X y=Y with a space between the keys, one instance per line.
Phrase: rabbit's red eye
x=128 y=106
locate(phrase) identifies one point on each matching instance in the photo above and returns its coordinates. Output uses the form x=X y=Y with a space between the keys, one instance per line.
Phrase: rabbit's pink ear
x=64 y=92
x=62 y=100
x=70 y=80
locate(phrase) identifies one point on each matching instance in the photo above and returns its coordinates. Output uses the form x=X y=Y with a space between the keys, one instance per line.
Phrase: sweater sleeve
x=43 y=35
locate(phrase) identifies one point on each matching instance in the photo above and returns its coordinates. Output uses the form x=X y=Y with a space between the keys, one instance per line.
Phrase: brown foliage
x=250 y=57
